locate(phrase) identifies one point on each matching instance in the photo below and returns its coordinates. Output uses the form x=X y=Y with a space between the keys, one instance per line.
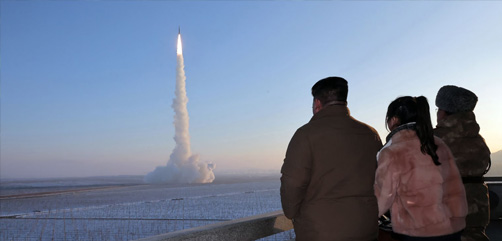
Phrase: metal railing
x=248 y=228
x=264 y=225
x=495 y=187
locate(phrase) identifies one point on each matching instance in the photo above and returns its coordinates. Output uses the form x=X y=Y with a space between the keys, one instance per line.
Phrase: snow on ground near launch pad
x=124 y=208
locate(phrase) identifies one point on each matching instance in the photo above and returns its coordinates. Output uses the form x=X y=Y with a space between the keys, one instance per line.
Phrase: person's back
x=341 y=147
x=458 y=128
x=429 y=200
x=460 y=132
x=328 y=175
x=417 y=178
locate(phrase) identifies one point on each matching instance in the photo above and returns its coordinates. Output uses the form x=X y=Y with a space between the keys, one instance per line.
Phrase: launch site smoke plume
x=182 y=167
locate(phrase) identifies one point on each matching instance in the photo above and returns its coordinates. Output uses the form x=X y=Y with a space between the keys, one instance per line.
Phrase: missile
x=179 y=30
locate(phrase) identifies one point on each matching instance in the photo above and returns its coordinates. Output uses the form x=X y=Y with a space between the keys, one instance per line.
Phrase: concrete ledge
x=248 y=228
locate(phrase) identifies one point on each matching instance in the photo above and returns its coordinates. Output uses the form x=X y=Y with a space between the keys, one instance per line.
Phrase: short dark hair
x=330 y=89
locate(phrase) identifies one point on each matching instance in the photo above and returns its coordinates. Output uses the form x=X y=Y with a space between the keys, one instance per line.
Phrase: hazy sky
x=87 y=86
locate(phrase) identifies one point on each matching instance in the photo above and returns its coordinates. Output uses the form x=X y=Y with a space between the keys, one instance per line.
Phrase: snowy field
x=124 y=208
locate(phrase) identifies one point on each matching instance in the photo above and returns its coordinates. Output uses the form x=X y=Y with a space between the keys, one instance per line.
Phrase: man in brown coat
x=458 y=128
x=329 y=171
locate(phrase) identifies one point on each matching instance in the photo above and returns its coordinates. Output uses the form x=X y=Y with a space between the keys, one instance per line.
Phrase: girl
x=417 y=178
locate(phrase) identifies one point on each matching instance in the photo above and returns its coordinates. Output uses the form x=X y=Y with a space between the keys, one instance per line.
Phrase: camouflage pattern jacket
x=460 y=132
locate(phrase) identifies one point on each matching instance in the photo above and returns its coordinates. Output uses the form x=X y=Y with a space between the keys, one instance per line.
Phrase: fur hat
x=455 y=99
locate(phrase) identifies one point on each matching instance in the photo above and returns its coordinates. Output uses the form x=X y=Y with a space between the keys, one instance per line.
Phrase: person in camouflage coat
x=458 y=128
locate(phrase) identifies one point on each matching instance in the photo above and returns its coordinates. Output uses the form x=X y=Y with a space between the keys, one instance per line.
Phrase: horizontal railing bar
x=493 y=179
x=127 y=219
x=248 y=228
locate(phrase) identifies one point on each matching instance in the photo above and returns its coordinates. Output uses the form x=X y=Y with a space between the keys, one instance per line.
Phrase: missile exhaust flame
x=179 y=49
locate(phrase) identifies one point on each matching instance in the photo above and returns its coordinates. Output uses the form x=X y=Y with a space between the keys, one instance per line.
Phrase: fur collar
x=407 y=126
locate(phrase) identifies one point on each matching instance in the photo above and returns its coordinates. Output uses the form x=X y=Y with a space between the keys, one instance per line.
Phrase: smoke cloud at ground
x=182 y=167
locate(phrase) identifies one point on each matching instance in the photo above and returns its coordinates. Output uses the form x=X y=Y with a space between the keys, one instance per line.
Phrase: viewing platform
x=268 y=224
x=124 y=208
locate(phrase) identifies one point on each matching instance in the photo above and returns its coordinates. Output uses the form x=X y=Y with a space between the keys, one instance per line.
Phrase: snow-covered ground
x=127 y=209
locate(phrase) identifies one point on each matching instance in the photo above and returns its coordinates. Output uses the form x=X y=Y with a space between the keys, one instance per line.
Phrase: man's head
x=329 y=91
x=453 y=99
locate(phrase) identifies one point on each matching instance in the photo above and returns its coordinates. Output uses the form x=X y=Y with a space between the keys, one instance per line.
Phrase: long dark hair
x=415 y=109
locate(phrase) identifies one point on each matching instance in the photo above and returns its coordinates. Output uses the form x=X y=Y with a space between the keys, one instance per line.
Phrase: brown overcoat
x=327 y=178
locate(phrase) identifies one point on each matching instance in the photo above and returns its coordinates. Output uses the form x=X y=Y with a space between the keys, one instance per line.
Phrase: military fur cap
x=455 y=99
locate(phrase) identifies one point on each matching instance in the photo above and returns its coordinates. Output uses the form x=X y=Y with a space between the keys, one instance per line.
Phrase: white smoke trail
x=182 y=167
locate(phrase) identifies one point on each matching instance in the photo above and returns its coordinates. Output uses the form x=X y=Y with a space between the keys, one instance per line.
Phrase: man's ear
x=317 y=106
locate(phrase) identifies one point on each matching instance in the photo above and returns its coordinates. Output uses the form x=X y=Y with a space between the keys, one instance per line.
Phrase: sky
x=86 y=87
